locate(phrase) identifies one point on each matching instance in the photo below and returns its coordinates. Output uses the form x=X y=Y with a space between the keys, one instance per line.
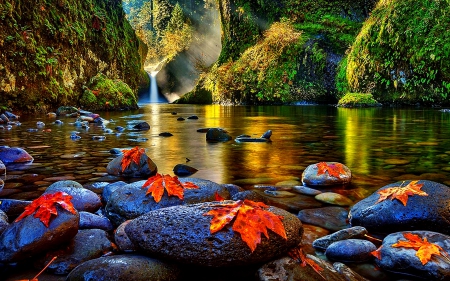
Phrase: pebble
x=333 y=198
x=350 y=250
x=306 y=190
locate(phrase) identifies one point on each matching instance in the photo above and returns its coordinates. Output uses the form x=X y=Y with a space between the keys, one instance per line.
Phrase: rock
x=88 y=244
x=174 y=113
x=348 y=233
x=195 y=117
x=93 y=221
x=420 y=213
x=142 y=126
x=2 y=184
x=82 y=199
x=306 y=190
x=144 y=169
x=182 y=234
x=232 y=189
x=289 y=269
x=4 y=118
x=404 y=260
x=29 y=236
x=11 y=116
x=165 y=134
x=180 y=119
x=334 y=199
x=331 y=218
x=267 y=135
x=115 y=151
x=131 y=201
x=96 y=187
x=350 y=250
x=14 y=155
x=121 y=238
x=243 y=139
x=217 y=134
x=12 y=207
x=119 y=128
x=203 y=130
x=249 y=195
x=67 y=111
x=110 y=188
x=279 y=193
x=349 y=274
x=310 y=176
x=182 y=170
x=125 y=267
x=3 y=221
x=2 y=169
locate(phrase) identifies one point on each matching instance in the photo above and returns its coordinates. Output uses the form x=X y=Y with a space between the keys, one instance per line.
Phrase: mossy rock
x=402 y=53
x=358 y=100
x=103 y=93
x=196 y=96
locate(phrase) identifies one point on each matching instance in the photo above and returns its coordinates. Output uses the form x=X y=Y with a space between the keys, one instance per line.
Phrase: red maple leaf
x=377 y=253
x=131 y=155
x=298 y=255
x=218 y=197
x=334 y=169
x=424 y=248
x=401 y=193
x=174 y=187
x=45 y=206
x=252 y=219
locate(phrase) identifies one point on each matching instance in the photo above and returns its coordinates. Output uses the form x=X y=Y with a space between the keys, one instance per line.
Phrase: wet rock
x=182 y=234
x=420 y=213
x=131 y=201
x=331 y=218
x=243 y=139
x=121 y=238
x=180 y=119
x=334 y=199
x=348 y=233
x=14 y=155
x=67 y=111
x=2 y=184
x=88 y=244
x=2 y=169
x=165 y=134
x=306 y=190
x=203 y=130
x=174 y=113
x=3 y=118
x=125 y=267
x=96 y=187
x=350 y=250
x=267 y=135
x=82 y=199
x=12 y=207
x=233 y=189
x=217 y=134
x=142 y=126
x=288 y=269
x=279 y=193
x=348 y=274
x=29 y=236
x=58 y=122
x=119 y=128
x=93 y=221
x=144 y=169
x=11 y=116
x=3 y=221
x=193 y=117
x=404 y=260
x=110 y=188
x=310 y=176
x=182 y=170
x=250 y=195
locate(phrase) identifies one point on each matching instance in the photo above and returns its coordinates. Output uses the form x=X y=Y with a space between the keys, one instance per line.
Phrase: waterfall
x=154 y=97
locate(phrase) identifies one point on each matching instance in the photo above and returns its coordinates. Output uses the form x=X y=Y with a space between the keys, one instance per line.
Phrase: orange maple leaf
x=334 y=169
x=130 y=155
x=424 y=248
x=45 y=206
x=377 y=253
x=298 y=255
x=174 y=187
x=252 y=219
x=218 y=197
x=401 y=193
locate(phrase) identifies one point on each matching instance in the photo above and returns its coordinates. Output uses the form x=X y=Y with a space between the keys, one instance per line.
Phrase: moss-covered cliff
x=50 y=50
x=402 y=54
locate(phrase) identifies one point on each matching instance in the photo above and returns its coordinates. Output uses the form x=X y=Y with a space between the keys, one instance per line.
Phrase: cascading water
x=153 y=87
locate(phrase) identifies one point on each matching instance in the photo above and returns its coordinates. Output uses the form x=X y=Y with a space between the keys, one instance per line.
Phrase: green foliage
x=402 y=53
x=357 y=100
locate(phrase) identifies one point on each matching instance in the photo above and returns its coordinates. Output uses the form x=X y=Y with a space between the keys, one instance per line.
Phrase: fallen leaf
x=45 y=206
x=218 y=197
x=401 y=193
x=424 y=249
x=174 y=187
x=298 y=255
x=251 y=219
x=131 y=155
x=35 y=278
x=334 y=169
x=377 y=253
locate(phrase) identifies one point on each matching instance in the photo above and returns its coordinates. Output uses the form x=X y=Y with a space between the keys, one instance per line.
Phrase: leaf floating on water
x=174 y=187
x=45 y=206
x=252 y=219
x=401 y=193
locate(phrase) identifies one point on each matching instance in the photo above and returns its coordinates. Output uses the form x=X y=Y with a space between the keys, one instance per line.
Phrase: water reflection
x=379 y=145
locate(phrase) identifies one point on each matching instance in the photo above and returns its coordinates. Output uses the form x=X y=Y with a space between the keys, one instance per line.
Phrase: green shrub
x=357 y=100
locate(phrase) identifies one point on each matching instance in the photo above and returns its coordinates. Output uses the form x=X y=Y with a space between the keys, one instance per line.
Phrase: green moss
x=357 y=100
x=402 y=54
x=198 y=96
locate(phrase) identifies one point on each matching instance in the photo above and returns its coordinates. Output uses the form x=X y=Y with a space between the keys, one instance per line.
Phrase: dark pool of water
x=379 y=145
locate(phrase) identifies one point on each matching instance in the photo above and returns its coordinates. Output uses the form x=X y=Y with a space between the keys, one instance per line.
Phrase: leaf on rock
x=334 y=170
x=131 y=155
x=174 y=187
x=218 y=197
x=402 y=193
x=45 y=206
x=298 y=255
x=252 y=219
x=424 y=249
x=377 y=253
